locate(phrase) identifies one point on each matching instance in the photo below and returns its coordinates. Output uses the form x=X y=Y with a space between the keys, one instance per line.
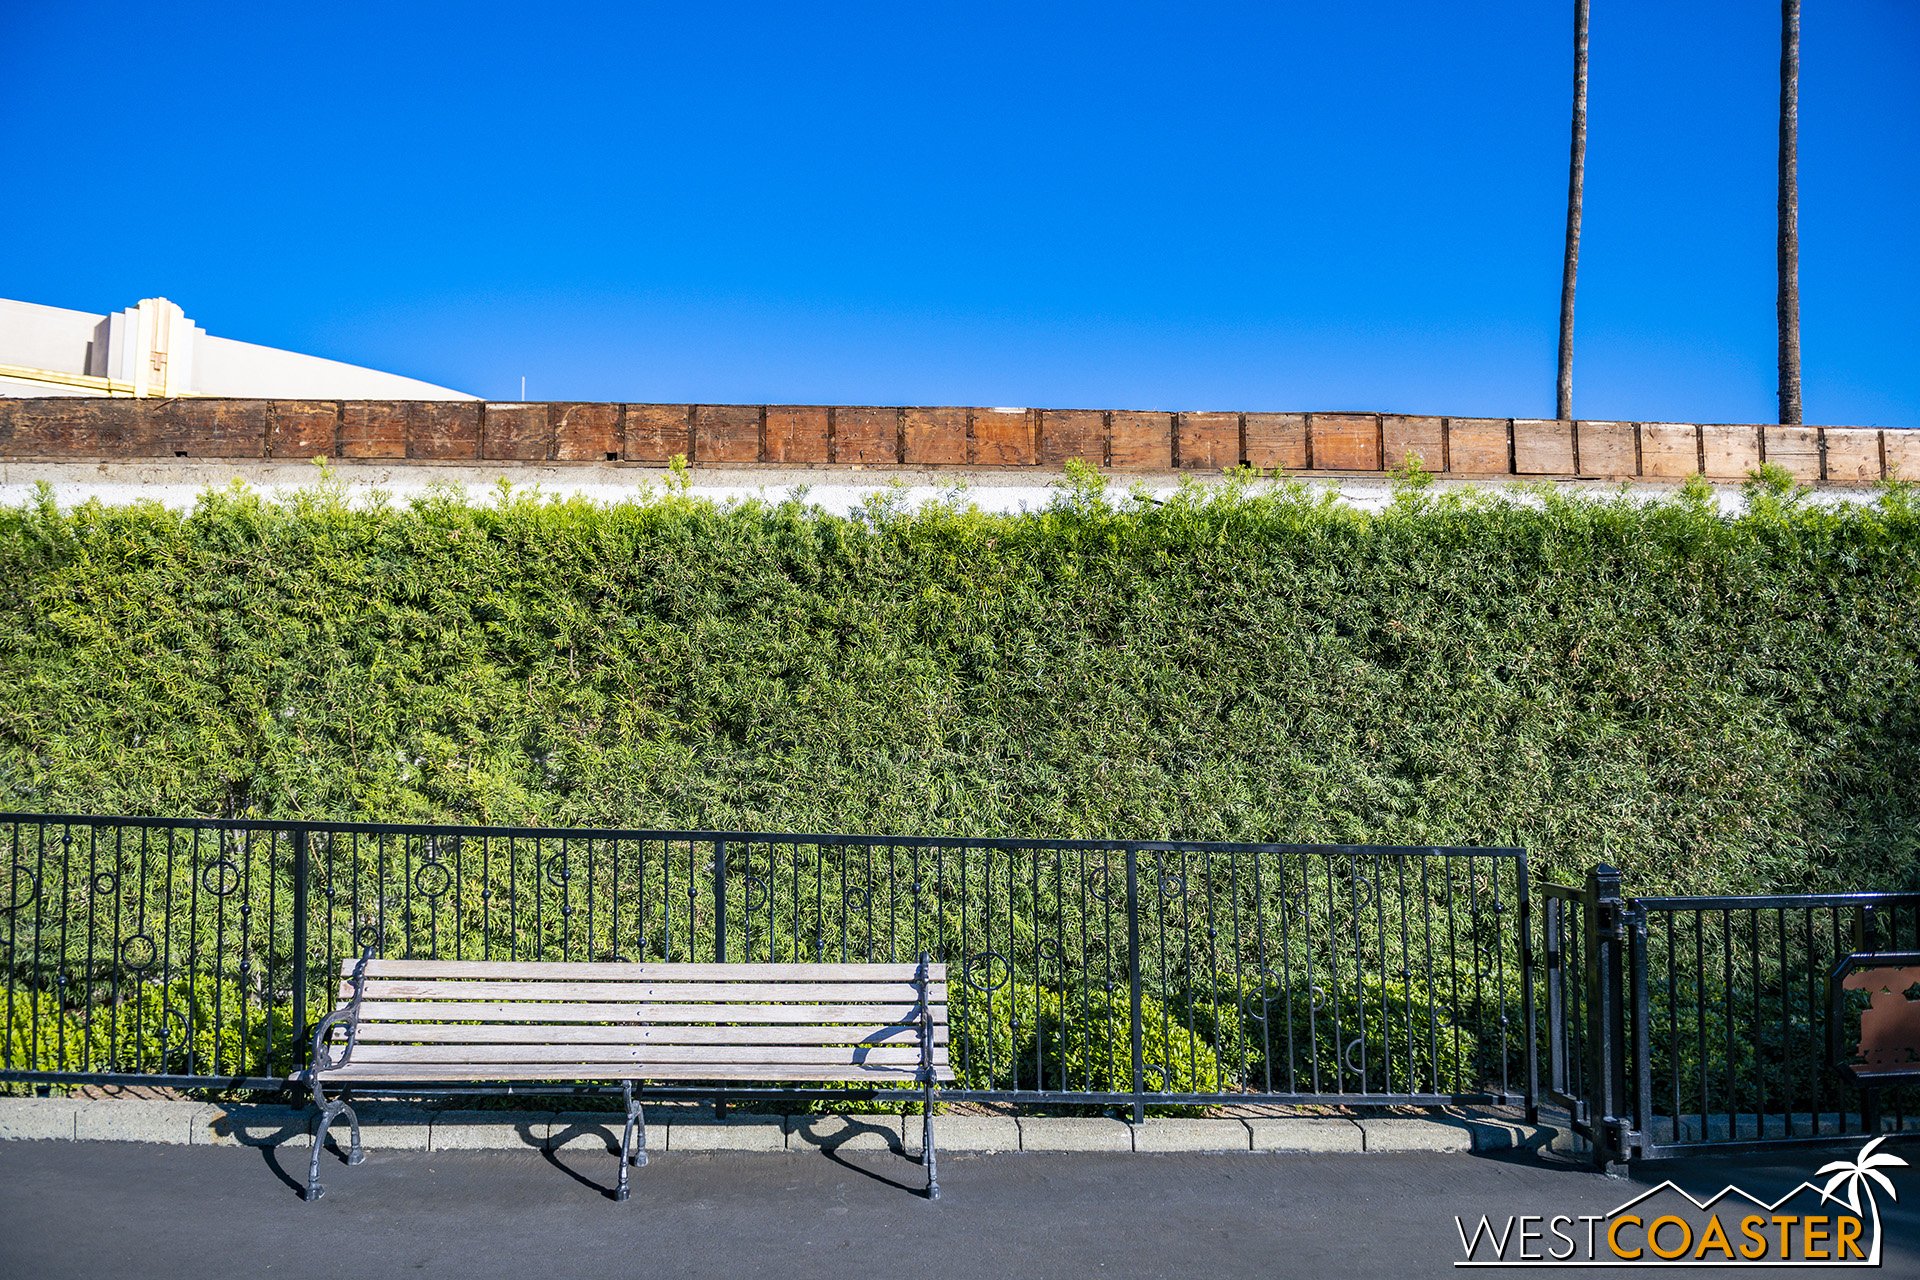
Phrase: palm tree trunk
x=1576 y=200
x=1788 y=306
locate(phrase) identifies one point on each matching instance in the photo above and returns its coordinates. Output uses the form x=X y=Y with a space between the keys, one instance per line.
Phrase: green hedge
x=1711 y=702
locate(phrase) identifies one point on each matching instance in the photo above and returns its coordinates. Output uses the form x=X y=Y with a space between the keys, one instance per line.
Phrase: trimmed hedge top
x=1713 y=702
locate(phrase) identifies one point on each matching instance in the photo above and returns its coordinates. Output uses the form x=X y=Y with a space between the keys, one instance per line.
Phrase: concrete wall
x=789 y=436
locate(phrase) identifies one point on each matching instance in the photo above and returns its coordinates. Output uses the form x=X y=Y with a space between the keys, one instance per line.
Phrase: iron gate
x=1678 y=1024
x=197 y=952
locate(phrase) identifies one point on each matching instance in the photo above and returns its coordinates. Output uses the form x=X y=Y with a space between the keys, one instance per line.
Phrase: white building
x=152 y=349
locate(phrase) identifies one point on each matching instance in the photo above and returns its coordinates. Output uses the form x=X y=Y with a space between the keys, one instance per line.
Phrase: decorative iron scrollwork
x=220 y=877
x=431 y=879
x=15 y=899
x=174 y=1031
x=138 y=953
x=758 y=894
x=979 y=973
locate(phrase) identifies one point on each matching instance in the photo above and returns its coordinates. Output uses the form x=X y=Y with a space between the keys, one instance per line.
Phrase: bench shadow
x=270 y=1134
x=609 y=1134
x=267 y=1129
x=830 y=1148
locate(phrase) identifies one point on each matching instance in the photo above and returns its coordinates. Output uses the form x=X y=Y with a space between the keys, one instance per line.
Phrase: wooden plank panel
x=1208 y=441
x=603 y=992
x=772 y=1057
x=427 y=1073
x=643 y=971
x=483 y=1011
x=1478 y=446
x=1277 y=441
x=1345 y=441
x=866 y=434
x=935 y=437
x=1669 y=450
x=1853 y=455
x=1403 y=436
x=1140 y=441
x=1542 y=447
x=1073 y=433
x=548 y=1033
x=1795 y=448
x=1608 y=448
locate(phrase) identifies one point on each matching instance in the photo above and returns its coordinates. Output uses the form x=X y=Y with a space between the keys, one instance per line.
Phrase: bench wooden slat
x=431 y=1022
x=629 y=1033
x=773 y=1057
x=389 y=989
x=481 y=1011
x=643 y=971
x=429 y=1073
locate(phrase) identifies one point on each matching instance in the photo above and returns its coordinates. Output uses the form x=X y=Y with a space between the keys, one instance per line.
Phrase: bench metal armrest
x=348 y=1016
x=924 y=1016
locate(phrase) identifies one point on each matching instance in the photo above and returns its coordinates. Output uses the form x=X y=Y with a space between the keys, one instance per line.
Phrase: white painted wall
x=152 y=348
x=179 y=482
x=226 y=367
x=46 y=337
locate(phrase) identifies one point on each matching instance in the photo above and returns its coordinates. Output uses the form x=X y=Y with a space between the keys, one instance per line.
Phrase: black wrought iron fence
x=194 y=951
x=1563 y=953
x=1676 y=1024
x=1732 y=1017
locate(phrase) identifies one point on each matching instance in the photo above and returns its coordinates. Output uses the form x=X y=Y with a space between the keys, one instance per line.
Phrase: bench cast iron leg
x=926 y=1144
x=629 y=1154
x=329 y=1112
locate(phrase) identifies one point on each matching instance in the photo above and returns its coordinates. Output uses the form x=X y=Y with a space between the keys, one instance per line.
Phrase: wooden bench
x=406 y=1026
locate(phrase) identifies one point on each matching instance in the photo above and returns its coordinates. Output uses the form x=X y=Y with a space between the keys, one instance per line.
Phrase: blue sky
x=1268 y=206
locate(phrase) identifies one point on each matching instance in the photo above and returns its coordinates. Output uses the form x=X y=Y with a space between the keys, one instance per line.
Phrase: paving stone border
x=670 y=1128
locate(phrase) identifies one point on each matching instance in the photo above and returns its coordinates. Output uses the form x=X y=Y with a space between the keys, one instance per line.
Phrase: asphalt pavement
x=128 y=1209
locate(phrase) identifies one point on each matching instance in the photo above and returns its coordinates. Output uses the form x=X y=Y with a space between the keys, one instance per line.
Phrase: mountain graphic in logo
x=1831 y=1219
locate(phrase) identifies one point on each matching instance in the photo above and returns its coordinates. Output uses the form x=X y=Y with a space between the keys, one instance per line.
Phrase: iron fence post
x=1133 y=982
x=1606 y=932
x=720 y=901
x=1553 y=938
x=1641 y=1021
x=1527 y=1016
x=1866 y=937
x=719 y=936
x=300 y=869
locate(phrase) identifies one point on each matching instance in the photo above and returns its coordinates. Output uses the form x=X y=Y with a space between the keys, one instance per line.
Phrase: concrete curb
x=965 y=1133
x=737 y=1132
x=1307 y=1135
x=1400 y=1134
x=1068 y=1133
x=39 y=1119
x=402 y=1127
x=1191 y=1135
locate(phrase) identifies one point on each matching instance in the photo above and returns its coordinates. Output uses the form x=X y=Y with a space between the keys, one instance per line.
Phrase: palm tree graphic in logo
x=1861 y=1174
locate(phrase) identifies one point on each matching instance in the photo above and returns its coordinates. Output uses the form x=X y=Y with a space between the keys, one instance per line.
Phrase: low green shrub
x=186 y=1027
x=1029 y=1036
